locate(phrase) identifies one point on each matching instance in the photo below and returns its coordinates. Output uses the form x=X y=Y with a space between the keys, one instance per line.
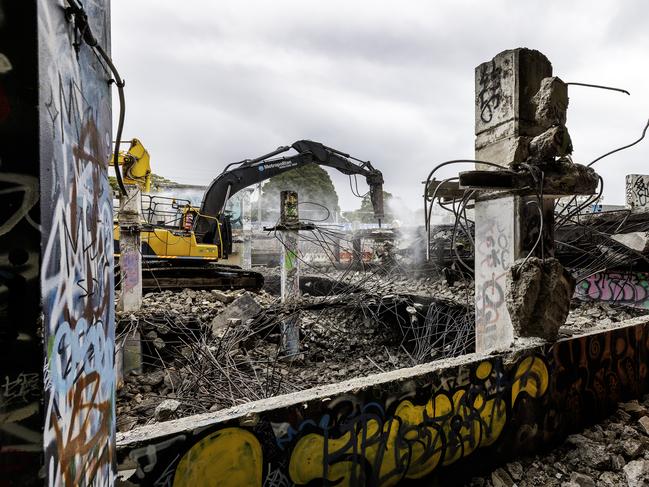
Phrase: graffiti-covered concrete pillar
x=637 y=192
x=56 y=280
x=504 y=123
x=77 y=244
x=522 y=165
x=290 y=273
x=130 y=259
x=246 y=228
x=508 y=222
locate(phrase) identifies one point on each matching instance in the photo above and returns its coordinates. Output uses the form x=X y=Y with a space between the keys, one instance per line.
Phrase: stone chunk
x=637 y=473
x=166 y=409
x=538 y=297
x=551 y=102
x=515 y=470
x=644 y=424
x=223 y=297
x=243 y=308
x=500 y=478
x=633 y=448
x=581 y=480
x=634 y=408
x=554 y=142
x=638 y=241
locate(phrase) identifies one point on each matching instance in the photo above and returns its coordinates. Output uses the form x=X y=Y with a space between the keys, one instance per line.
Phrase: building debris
x=538 y=296
x=611 y=454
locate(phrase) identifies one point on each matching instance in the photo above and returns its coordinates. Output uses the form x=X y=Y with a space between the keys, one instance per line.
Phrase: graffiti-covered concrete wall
x=403 y=425
x=630 y=288
x=76 y=278
x=21 y=358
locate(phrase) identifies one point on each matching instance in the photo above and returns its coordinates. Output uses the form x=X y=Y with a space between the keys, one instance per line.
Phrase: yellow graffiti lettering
x=411 y=444
x=404 y=447
x=231 y=457
x=532 y=377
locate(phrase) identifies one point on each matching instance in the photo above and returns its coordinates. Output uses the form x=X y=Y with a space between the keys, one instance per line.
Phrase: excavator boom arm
x=249 y=172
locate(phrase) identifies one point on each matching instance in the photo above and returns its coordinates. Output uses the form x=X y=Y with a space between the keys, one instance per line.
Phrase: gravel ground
x=610 y=454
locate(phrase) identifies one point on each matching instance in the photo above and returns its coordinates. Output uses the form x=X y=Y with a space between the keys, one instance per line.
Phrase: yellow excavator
x=182 y=244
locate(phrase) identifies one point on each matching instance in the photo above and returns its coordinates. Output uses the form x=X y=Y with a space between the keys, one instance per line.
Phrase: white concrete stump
x=497 y=245
x=130 y=260
x=246 y=223
x=290 y=270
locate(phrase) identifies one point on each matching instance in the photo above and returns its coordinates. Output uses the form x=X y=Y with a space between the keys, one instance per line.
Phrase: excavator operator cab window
x=189 y=215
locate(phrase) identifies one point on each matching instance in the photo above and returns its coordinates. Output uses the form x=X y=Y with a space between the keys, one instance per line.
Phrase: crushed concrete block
x=633 y=448
x=638 y=241
x=500 y=478
x=551 y=102
x=515 y=470
x=637 y=473
x=508 y=151
x=609 y=479
x=223 y=297
x=644 y=424
x=563 y=177
x=617 y=462
x=554 y=142
x=581 y=480
x=242 y=308
x=538 y=294
x=166 y=409
x=634 y=408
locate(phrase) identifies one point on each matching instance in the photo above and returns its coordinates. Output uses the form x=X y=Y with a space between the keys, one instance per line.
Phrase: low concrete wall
x=425 y=421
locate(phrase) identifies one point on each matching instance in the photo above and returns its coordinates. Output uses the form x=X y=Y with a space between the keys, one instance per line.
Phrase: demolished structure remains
x=482 y=352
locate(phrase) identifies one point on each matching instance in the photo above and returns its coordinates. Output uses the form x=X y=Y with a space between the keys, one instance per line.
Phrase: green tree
x=312 y=184
x=365 y=214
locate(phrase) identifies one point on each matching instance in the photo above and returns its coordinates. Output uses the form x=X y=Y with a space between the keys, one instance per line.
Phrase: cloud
x=215 y=82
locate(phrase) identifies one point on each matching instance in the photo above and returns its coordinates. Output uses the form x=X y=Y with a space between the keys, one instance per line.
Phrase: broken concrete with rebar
x=407 y=364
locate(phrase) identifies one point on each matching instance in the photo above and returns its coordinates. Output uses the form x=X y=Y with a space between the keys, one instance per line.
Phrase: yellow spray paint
x=411 y=443
x=231 y=457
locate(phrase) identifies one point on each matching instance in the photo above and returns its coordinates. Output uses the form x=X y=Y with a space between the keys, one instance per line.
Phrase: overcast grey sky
x=211 y=82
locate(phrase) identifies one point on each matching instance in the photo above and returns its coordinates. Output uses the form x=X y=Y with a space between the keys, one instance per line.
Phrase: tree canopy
x=312 y=184
x=365 y=214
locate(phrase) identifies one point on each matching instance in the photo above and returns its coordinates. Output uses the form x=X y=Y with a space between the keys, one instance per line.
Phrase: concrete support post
x=637 y=192
x=507 y=227
x=290 y=269
x=246 y=223
x=497 y=245
x=130 y=262
x=259 y=224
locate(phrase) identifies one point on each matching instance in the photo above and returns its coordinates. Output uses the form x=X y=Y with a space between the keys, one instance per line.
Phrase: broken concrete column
x=290 y=269
x=520 y=112
x=538 y=295
x=505 y=113
x=246 y=224
x=637 y=192
x=130 y=259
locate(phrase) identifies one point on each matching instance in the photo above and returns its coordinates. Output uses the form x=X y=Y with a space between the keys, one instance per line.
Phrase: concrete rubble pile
x=204 y=351
x=614 y=453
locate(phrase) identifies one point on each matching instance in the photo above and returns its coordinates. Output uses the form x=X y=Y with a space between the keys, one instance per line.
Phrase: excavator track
x=161 y=276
